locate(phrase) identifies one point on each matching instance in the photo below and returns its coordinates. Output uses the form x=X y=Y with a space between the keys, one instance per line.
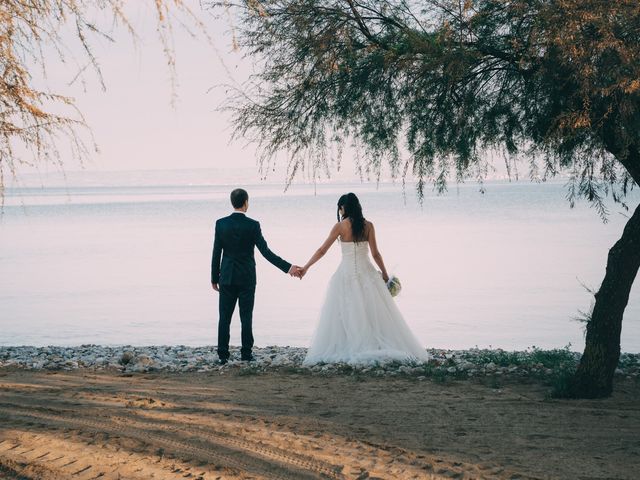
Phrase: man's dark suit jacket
x=234 y=241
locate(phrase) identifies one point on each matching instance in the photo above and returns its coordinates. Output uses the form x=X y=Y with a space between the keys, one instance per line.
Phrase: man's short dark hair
x=238 y=197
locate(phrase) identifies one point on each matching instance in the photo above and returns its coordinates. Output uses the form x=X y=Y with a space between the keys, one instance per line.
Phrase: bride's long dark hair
x=353 y=211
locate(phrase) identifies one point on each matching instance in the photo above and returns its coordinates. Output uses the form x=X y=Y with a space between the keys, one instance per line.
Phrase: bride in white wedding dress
x=359 y=320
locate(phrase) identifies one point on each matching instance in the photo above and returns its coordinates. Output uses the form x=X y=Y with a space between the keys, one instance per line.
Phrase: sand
x=86 y=425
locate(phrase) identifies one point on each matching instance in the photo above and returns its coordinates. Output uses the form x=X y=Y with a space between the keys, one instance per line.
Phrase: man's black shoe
x=224 y=361
x=250 y=358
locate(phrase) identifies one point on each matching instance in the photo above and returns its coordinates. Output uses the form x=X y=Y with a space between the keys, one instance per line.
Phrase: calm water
x=131 y=264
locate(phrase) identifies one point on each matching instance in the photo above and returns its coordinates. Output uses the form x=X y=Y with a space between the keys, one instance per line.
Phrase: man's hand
x=295 y=271
x=215 y=287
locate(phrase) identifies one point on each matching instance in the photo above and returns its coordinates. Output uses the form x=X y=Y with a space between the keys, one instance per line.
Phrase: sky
x=133 y=121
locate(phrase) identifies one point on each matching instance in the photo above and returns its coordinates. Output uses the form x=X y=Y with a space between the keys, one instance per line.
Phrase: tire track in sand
x=234 y=454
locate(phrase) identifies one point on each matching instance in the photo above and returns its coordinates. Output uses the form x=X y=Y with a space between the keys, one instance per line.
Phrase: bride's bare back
x=342 y=231
x=346 y=234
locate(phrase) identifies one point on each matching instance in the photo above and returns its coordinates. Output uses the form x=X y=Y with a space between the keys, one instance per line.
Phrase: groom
x=235 y=277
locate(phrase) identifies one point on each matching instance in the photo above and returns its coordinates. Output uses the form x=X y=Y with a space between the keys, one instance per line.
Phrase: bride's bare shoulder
x=344 y=224
x=339 y=227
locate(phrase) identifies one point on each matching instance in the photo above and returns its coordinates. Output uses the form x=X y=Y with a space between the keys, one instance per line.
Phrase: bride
x=359 y=321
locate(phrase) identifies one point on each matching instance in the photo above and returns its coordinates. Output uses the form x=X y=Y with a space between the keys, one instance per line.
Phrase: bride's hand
x=385 y=277
x=303 y=272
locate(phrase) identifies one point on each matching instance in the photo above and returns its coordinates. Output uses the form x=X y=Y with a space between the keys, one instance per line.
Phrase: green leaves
x=428 y=86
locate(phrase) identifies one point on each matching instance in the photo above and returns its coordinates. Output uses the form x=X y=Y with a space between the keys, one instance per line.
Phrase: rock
x=203 y=359
x=465 y=365
x=126 y=357
x=145 y=360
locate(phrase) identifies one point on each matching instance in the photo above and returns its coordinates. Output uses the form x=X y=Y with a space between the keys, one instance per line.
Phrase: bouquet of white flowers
x=394 y=285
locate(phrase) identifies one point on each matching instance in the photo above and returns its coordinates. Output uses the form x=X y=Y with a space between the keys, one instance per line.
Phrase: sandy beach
x=241 y=424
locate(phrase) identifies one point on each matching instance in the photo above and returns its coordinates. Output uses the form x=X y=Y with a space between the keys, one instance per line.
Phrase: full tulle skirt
x=360 y=322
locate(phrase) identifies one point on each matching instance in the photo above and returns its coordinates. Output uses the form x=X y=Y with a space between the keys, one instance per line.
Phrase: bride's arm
x=375 y=253
x=324 y=248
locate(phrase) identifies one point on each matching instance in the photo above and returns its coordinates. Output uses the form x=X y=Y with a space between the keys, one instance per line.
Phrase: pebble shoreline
x=442 y=363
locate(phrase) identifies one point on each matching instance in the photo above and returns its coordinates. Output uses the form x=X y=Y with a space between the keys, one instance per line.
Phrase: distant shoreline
x=220 y=178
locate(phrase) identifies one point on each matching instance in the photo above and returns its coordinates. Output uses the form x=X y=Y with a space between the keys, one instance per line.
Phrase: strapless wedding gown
x=359 y=320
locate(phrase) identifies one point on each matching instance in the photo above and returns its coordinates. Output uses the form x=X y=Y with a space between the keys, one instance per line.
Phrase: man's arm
x=215 y=259
x=274 y=259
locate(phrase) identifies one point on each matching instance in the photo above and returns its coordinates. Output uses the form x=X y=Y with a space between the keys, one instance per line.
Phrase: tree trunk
x=594 y=377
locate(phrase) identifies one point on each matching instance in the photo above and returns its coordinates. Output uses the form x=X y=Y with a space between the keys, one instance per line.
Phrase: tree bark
x=594 y=377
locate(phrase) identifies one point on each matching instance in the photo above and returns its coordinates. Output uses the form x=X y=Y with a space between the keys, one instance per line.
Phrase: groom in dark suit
x=235 y=276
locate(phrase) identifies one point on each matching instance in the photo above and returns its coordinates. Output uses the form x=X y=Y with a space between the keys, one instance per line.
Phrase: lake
x=128 y=262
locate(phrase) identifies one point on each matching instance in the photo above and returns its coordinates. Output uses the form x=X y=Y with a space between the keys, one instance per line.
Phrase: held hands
x=297 y=271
